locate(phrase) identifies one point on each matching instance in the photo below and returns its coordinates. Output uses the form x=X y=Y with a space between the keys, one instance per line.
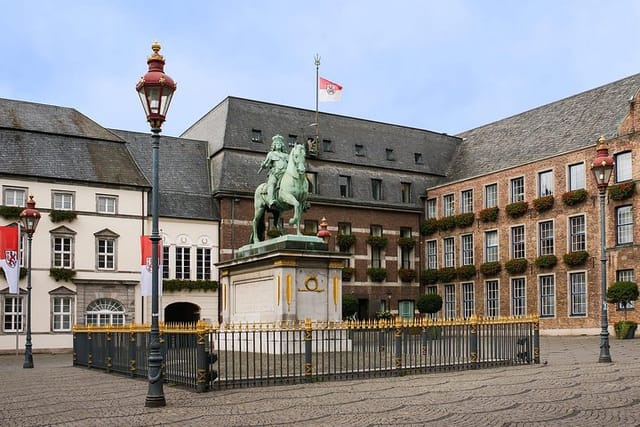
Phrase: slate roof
x=566 y=125
x=183 y=174
x=51 y=142
x=236 y=158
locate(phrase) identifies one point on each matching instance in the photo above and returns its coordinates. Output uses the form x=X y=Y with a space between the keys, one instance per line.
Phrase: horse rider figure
x=276 y=162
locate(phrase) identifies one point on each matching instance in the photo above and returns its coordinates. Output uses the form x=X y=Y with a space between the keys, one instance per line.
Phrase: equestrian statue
x=286 y=188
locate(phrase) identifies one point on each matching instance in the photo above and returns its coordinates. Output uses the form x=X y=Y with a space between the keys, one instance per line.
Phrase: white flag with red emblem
x=328 y=91
x=10 y=256
x=146 y=279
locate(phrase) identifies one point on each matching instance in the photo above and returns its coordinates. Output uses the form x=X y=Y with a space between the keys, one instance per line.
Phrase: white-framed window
x=62 y=200
x=546 y=239
x=466 y=202
x=449 y=301
x=12 y=314
x=61 y=313
x=492 y=303
x=626 y=275
x=106 y=204
x=432 y=254
x=491 y=195
x=517 y=189
x=405 y=192
x=491 y=246
x=518 y=297
x=576 y=177
x=545 y=183
x=449 y=252
x=344 y=183
x=376 y=189
x=14 y=196
x=105 y=311
x=203 y=263
x=623 y=166
x=165 y=262
x=105 y=253
x=468 y=300
x=183 y=262
x=547 y=295
x=405 y=251
x=577 y=233
x=62 y=251
x=467 y=249
x=517 y=242
x=432 y=208
x=448 y=205
x=578 y=289
x=624 y=225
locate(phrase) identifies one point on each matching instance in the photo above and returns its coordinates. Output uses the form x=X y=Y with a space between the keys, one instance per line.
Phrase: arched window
x=105 y=311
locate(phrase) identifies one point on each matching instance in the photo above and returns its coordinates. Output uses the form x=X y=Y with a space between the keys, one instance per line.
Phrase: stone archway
x=182 y=312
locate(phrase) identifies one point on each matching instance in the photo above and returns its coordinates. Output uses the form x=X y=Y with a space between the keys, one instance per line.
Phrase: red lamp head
x=156 y=89
x=602 y=165
x=29 y=217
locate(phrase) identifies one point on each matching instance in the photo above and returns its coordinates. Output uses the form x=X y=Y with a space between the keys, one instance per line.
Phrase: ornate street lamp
x=156 y=90
x=29 y=218
x=602 y=167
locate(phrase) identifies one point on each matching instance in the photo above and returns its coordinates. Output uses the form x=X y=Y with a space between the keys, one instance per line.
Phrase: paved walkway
x=570 y=389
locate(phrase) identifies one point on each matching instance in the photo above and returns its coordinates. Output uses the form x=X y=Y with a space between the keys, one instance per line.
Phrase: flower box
x=517 y=209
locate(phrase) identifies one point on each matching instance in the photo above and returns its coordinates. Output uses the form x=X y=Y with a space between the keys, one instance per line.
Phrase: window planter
x=59 y=216
x=542 y=204
x=377 y=274
x=489 y=214
x=466 y=272
x=576 y=197
x=377 y=242
x=546 y=261
x=188 y=285
x=517 y=209
x=345 y=241
x=490 y=268
x=65 y=274
x=406 y=242
x=347 y=273
x=516 y=266
x=447 y=223
x=465 y=219
x=429 y=276
x=622 y=191
x=10 y=212
x=407 y=275
x=446 y=274
x=427 y=227
x=575 y=259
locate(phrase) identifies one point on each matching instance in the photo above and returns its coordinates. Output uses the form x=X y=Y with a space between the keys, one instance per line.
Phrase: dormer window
x=418 y=158
x=256 y=135
x=359 y=148
x=390 y=155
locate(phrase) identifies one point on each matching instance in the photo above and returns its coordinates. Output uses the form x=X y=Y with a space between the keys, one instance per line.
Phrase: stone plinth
x=287 y=278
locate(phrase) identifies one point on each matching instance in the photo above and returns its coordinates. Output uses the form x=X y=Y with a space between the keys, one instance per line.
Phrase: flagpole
x=316 y=61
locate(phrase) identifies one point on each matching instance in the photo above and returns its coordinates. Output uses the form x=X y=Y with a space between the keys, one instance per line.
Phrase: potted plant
x=65 y=274
x=446 y=274
x=489 y=214
x=465 y=219
x=623 y=293
x=516 y=209
x=377 y=241
x=407 y=275
x=516 y=265
x=347 y=273
x=490 y=268
x=575 y=259
x=429 y=276
x=447 y=223
x=62 y=215
x=544 y=203
x=466 y=272
x=10 y=212
x=546 y=261
x=430 y=304
x=406 y=242
x=384 y=315
x=345 y=241
x=428 y=226
x=377 y=274
x=622 y=191
x=575 y=197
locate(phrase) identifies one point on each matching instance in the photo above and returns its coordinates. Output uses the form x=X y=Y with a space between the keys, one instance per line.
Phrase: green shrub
x=349 y=305
x=516 y=266
x=622 y=293
x=429 y=303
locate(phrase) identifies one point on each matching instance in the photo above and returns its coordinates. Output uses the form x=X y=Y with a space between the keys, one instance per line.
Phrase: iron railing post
x=473 y=341
x=202 y=383
x=398 y=340
x=536 y=341
x=132 y=352
x=308 y=333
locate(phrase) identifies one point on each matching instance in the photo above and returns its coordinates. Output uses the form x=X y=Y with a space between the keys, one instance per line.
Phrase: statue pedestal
x=289 y=278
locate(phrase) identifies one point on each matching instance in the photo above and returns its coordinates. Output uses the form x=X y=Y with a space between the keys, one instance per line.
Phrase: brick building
x=540 y=159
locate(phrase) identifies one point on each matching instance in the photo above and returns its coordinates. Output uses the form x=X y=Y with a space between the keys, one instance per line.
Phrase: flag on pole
x=146 y=279
x=10 y=256
x=328 y=91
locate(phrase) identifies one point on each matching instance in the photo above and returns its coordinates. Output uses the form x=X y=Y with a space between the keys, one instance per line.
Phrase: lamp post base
x=605 y=356
x=155 y=401
x=28 y=361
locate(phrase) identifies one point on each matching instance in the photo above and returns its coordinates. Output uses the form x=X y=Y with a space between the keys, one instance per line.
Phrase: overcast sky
x=446 y=66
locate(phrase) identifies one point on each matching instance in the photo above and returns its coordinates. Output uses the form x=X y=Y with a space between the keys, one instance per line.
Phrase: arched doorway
x=182 y=312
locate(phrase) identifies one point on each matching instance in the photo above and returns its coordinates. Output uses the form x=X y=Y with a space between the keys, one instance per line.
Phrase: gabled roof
x=50 y=142
x=183 y=174
x=562 y=126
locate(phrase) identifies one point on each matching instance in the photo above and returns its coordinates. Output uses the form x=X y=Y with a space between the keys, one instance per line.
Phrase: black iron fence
x=204 y=357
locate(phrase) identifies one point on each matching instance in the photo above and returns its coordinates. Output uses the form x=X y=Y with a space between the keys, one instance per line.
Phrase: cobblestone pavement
x=570 y=389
